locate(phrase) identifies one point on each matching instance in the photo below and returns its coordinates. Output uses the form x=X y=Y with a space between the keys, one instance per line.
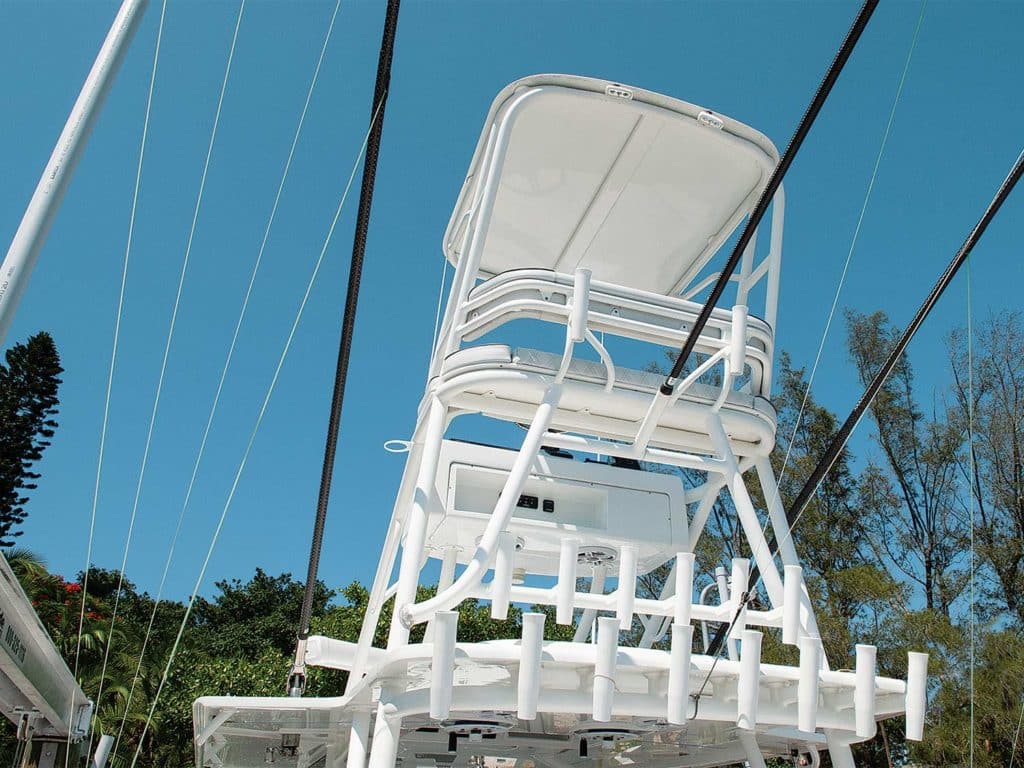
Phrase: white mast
x=35 y=224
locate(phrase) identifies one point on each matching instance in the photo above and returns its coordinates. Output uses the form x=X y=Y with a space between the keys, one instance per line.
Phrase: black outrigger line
x=774 y=181
x=841 y=437
x=297 y=675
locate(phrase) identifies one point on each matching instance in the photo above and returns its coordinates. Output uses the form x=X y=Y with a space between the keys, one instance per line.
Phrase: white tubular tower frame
x=664 y=689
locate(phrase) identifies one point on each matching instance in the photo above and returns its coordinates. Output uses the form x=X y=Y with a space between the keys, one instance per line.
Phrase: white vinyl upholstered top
x=642 y=190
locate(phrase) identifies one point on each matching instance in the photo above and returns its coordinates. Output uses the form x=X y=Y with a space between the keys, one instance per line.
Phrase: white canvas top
x=637 y=187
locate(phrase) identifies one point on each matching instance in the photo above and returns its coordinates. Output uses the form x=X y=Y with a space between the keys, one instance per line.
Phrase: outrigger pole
x=774 y=182
x=842 y=437
x=297 y=675
x=42 y=208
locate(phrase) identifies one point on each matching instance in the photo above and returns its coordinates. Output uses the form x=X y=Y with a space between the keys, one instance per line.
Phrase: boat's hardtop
x=637 y=187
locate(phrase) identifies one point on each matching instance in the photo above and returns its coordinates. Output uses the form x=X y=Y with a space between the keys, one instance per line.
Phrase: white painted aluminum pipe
x=679 y=673
x=502 y=586
x=738 y=340
x=415 y=529
x=528 y=686
x=737 y=590
x=604 y=669
x=793 y=577
x=386 y=730
x=586 y=624
x=755 y=759
x=745 y=510
x=807 y=687
x=573 y=700
x=359 y=740
x=412 y=613
x=771 y=300
x=442 y=667
x=749 y=684
x=42 y=208
x=722 y=580
x=917 y=691
x=449 y=559
x=839 y=749
x=580 y=305
x=625 y=595
x=566 y=587
x=684 y=587
x=103 y=747
x=864 y=691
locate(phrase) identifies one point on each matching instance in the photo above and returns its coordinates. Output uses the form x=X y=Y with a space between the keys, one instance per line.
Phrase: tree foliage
x=28 y=404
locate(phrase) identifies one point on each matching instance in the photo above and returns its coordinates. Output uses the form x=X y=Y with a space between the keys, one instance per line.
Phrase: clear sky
x=959 y=127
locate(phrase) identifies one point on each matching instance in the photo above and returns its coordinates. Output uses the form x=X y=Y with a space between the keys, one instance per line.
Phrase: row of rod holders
x=679 y=694
x=608 y=628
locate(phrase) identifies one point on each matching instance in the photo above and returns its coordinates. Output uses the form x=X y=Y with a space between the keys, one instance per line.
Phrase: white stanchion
x=737 y=588
x=807 y=690
x=625 y=594
x=748 y=685
x=679 y=673
x=604 y=669
x=529 y=665
x=442 y=667
x=684 y=587
x=793 y=580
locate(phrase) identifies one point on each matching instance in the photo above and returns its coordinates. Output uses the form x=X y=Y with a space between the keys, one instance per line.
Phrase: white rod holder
x=749 y=683
x=604 y=668
x=864 y=691
x=737 y=589
x=684 y=587
x=442 y=667
x=679 y=673
x=807 y=689
x=580 y=305
x=793 y=579
x=529 y=665
x=566 y=587
x=501 y=587
x=625 y=595
x=917 y=692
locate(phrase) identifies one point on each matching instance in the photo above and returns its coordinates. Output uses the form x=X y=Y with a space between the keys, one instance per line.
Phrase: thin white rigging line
x=440 y=298
x=970 y=482
x=227 y=365
x=113 y=357
x=1016 y=735
x=853 y=241
x=252 y=437
x=167 y=348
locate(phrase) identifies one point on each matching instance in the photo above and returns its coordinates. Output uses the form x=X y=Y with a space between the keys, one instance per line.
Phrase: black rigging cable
x=296 y=679
x=774 y=181
x=838 y=442
x=841 y=437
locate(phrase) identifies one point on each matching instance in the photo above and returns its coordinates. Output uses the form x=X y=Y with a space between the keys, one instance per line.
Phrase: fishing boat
x=601 y=211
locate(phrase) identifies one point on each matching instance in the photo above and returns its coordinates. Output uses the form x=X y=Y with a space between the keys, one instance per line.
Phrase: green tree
x=244 y=619
x=997 y=475
x=28 y=403
x=918 y=523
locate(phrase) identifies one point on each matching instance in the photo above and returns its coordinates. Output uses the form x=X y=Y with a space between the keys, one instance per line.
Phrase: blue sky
x=959 y=127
